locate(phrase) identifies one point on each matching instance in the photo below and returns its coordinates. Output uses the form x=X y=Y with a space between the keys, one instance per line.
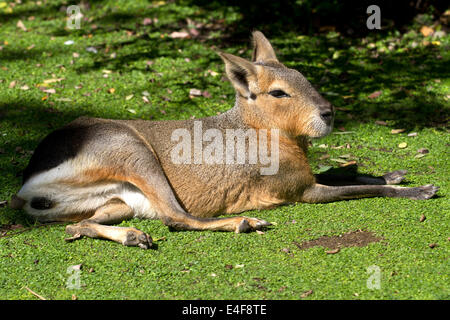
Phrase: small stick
x=34 y=293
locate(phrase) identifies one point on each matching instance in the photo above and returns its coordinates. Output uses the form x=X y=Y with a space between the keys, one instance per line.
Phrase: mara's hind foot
x=251 y=224
x=423 y=192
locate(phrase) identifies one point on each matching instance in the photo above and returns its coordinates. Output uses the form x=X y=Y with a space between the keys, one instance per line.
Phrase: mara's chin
x=320 y=129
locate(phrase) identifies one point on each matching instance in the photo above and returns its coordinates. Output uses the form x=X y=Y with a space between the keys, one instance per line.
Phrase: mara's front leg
x=394 y=177
x=318 y=193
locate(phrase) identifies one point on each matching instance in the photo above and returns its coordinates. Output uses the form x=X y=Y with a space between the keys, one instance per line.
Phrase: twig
x=34 y=293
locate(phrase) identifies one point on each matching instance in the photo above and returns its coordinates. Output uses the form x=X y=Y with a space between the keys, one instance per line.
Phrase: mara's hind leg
x=112 y=212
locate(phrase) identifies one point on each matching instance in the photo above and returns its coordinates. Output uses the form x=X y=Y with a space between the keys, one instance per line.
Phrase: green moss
x=196 y=265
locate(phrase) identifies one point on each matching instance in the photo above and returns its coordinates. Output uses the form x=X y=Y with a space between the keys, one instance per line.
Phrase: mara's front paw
x=395 y=177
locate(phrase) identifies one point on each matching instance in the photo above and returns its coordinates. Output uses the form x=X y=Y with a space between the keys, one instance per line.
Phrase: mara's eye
x=279 y=94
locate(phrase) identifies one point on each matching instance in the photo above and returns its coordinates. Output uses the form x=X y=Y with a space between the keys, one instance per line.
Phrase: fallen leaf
x=194 y=32
x=306 y=293
x=333 y=251
x=395 y=131
x=426 y=31
x=212 y=73
x=131 y=111
x=412 y=134
x=111 y=90
x=349 y=163
x=423 y=151
x=129 y=97
x=338 y=160
x=239 y=266
x=195 y=92
x=69 y=42
x=179 y=35
x=381 y=123
x=147 y=21
x=433 y=245
x=12 y=84
x=422 y=218
x=49 y=91
x=145 y=99
x=24 y=87
x=47 y=81
x=91 y=50
x=375 y=94
x=323 y=169
x=402 y=145
x=21 y=25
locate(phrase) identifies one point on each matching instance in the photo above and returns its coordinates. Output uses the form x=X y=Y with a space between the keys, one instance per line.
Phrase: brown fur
x=190 y=196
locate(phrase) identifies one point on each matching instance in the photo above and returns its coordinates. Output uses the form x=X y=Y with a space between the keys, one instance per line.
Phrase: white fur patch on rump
x=69 y=199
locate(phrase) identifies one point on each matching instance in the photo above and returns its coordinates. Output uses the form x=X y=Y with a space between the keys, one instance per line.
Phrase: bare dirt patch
x=359 y=238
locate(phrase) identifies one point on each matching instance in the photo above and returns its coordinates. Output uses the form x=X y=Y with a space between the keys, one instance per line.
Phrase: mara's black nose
x=327 y=116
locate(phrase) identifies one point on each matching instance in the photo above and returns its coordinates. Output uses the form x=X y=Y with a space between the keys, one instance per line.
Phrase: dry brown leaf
x=376 y=94
x=21 y=25
x=333 y=251
x=195 y=92
x=47 y=81
x=12 y=84
x=349 y=163
x=306 y=293
x=179 y=35
x=426 y=31
x=147 y=21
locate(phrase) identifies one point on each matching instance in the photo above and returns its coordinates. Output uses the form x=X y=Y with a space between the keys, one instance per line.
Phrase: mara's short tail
x=16 y=202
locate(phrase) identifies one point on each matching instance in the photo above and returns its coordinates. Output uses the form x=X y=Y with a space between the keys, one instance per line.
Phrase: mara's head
x=271 y=95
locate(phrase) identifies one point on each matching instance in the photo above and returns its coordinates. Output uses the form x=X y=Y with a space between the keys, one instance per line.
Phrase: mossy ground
x=138 y=59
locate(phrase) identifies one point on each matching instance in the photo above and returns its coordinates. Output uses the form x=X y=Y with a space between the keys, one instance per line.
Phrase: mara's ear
x=262 y=49
x=240 y=72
